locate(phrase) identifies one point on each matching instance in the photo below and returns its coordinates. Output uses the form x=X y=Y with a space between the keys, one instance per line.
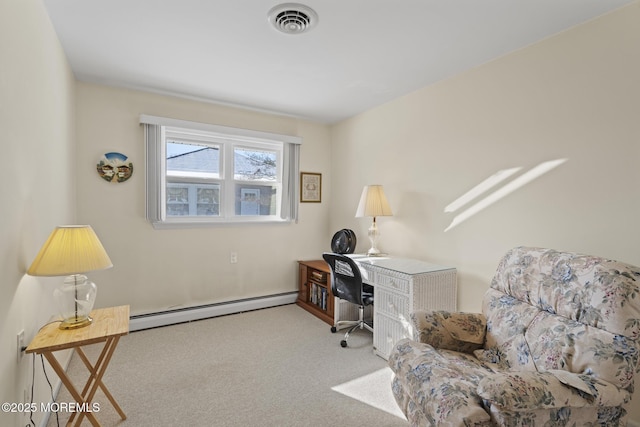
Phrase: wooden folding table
x=108 y=325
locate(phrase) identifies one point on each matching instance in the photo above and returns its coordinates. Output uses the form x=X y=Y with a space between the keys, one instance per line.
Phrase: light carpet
x=279 y=366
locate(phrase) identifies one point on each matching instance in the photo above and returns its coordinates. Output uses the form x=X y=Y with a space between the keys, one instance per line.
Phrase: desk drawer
x=391 y=282
x=387 y=332
x=393 y=304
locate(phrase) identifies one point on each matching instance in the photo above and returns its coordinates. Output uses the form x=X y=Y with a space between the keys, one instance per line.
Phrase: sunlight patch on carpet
x=374 y=389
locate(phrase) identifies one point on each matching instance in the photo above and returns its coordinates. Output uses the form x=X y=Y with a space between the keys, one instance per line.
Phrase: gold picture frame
x=310 y=187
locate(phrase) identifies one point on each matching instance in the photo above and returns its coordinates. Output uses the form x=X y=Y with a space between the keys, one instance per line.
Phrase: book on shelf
x=318 y=295
x=313 y=293
x=319 y=276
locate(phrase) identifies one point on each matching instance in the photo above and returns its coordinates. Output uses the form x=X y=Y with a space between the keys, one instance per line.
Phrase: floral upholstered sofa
x=556 y=345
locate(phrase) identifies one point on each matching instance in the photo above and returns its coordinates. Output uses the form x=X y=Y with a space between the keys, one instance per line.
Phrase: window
x=199 y=174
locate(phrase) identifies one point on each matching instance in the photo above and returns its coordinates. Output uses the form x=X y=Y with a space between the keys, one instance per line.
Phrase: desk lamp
x=373 y=203
x=70 y=251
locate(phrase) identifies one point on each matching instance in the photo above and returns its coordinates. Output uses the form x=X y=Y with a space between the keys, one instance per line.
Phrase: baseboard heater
x=188 y=314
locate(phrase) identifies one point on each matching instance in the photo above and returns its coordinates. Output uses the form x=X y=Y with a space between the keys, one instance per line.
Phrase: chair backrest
x=346 y=279
x=562 y=310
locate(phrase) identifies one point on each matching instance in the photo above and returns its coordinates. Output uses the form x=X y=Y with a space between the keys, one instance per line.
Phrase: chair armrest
x=455 y=331
x=532 y=390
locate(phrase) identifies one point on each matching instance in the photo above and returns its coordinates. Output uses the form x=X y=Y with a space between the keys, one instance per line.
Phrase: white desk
x=402 y=286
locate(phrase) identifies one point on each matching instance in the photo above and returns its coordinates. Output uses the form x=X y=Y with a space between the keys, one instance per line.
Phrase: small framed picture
x=310 y=187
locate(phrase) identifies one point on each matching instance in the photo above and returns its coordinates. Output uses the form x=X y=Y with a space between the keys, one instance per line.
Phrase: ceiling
x=361 y=53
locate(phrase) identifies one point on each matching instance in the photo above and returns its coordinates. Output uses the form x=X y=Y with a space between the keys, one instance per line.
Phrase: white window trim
x=224 y=130
x=155 y=165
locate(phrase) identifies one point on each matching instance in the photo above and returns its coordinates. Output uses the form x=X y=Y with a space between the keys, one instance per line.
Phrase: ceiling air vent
x=293 y=18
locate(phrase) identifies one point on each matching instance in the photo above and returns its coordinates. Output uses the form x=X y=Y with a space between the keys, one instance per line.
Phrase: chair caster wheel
x=334 y=329
x=343 y=343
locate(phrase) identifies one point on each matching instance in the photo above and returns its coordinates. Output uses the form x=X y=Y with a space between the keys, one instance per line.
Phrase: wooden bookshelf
x=314 y=289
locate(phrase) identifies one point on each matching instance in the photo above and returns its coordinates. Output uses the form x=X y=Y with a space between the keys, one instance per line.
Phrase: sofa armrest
x=532 y=390
x=455 y=331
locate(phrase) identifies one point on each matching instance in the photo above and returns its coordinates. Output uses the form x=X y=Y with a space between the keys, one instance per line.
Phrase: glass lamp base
x=75 y=300
x=75 y=323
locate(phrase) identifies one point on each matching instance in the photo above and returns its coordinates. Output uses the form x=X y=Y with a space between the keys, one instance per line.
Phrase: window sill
x=177 y=224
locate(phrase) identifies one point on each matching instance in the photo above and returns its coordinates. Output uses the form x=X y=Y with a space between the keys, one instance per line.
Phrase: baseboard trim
x=188 y=314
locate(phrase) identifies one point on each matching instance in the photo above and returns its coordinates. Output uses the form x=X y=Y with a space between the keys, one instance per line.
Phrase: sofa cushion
x=510 y=355
x=580 y=287
x=507 y=321
x=442 y=383
x=560 y=343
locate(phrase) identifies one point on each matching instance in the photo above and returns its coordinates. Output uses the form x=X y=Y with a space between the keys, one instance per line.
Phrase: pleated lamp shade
x=373 y=202
x=70 y=249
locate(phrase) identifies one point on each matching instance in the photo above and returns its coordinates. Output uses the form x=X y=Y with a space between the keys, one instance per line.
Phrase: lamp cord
x=33 y=381
x=53 y=399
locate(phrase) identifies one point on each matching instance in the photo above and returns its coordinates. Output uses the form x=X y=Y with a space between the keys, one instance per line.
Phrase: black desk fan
x=343 y=242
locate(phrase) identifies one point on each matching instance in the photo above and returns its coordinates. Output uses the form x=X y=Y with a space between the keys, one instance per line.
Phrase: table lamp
x=70 y=251
x=373 y=203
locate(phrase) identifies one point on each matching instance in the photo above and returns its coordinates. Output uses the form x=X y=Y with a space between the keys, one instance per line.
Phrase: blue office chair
x=346 y=284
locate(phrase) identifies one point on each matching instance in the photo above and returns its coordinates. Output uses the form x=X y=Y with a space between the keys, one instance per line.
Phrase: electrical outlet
x=233 y=258
x=20 y=340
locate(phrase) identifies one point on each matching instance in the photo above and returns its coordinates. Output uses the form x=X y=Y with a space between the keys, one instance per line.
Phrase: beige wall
x=36 y=181
x=574 y=96
x=159 y=269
